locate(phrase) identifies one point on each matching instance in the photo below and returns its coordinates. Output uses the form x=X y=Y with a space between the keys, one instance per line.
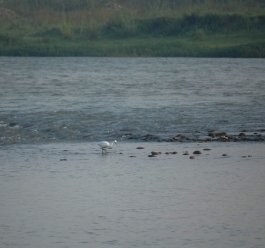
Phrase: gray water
x=65 y=195
x=45 y=100
x=58 y=190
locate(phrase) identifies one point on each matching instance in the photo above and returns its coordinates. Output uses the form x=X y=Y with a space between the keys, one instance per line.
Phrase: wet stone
x=155 y=153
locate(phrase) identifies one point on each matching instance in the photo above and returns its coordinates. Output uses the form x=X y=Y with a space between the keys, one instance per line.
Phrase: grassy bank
x=132 y=28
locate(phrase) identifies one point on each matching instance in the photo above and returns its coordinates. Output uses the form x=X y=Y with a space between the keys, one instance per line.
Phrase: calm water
x=58 y=190
x=90 y=99
x=114 y=200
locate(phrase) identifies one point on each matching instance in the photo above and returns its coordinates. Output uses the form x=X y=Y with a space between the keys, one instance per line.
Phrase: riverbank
x=195 y=30
x=235 y=46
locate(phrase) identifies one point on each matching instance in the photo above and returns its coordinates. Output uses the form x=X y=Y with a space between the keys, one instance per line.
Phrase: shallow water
x=70 y=195
x=58 y=190
x=47 y=100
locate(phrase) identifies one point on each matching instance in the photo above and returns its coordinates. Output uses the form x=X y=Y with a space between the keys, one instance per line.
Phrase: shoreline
x=212 y=137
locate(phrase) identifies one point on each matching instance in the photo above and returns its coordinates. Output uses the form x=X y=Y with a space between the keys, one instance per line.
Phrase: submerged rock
x=151 y=156
x=171 y=153
x=150 y=137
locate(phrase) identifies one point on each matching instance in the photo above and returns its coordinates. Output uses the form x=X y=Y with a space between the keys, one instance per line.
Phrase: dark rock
x=139 y=147
x=12 y=124
x=224 y=155
x=155 y=153
x=151 y=156
x=197 y=152
x=242 y=134
x=186 y=153
x=192 y=157
x=63 y=159
x=207 y=149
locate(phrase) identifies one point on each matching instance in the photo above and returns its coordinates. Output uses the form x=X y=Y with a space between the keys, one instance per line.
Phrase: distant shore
x=128 y=29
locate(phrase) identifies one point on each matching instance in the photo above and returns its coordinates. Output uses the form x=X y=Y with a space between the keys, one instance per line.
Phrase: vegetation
x=205 y=28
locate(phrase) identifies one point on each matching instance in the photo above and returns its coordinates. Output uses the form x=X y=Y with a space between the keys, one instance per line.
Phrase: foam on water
x=91 y=99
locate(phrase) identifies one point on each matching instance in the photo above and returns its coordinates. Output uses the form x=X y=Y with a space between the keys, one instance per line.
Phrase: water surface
x=90 y=99
x=114 y=200
x=58 y=190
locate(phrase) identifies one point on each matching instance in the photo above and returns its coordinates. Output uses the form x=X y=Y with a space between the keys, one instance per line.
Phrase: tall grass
x=139 y=27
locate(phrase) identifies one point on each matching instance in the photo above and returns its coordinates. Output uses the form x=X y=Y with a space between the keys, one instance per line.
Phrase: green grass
x=84 y=28
x=219 y=45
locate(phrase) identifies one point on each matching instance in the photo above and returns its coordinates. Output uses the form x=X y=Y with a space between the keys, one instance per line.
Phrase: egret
x=106 y=145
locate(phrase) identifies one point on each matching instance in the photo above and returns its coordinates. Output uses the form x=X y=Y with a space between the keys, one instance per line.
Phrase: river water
x=90 y=99
x=58 y=190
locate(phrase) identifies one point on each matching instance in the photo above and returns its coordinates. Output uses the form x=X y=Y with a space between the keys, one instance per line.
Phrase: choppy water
x=88 y=99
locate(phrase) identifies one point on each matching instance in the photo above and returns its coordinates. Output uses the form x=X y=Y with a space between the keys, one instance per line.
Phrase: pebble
x=192 y=157
x=140 y=147
x=186 y=153
x=197 y=152
x=151 y=156
x=224 y=155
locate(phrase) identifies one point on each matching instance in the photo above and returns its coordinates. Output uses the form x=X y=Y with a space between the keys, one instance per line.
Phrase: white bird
x=106 y=145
